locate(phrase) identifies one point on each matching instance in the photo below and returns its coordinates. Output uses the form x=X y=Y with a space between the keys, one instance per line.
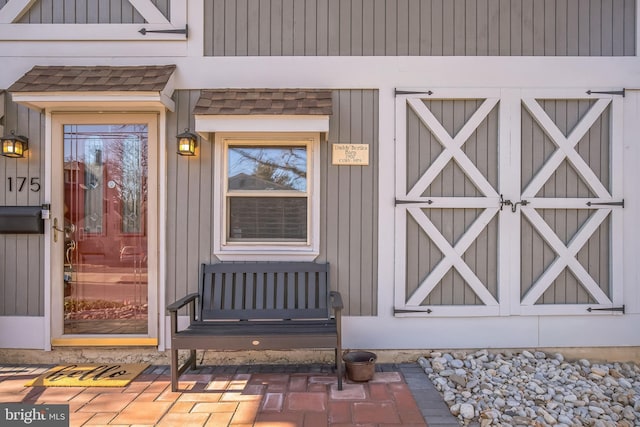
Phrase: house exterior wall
x=348 y=224
x=419 y=28
x=22 y=256
x=365 y=51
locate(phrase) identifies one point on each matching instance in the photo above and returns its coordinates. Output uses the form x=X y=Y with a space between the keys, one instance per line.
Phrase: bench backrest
x=264 y=290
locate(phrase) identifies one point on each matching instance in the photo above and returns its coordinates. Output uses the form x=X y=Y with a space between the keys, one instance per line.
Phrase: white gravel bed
x=535 y=389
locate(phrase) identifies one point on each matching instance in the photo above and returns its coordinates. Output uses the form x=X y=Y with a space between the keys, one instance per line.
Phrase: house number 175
x=19 y=183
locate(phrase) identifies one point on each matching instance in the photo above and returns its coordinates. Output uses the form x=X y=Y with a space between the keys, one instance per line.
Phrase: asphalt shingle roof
x=152 y=78
x=264 y=101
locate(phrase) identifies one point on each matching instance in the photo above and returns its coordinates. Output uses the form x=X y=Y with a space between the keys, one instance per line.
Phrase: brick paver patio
x=287 y=396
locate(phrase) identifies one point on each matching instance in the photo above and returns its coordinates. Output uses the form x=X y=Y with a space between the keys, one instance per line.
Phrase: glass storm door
x=105 y=193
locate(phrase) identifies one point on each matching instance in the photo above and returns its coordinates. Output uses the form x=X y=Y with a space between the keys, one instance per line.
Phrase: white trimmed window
x=267 y=203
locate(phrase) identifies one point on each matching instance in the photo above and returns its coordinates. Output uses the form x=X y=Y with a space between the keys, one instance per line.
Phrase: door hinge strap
x=406 y=202
x=184 y=31
x=412 y=92
x=404 y=310
x=620 y=203
x=611 y=92
x=621 y=309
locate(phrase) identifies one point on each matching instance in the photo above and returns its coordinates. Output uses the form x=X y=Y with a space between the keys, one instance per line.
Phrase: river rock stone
x=467 y=411
x=532 y=388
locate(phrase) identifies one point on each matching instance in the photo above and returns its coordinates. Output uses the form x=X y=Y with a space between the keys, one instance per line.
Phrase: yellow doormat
x=91 y=375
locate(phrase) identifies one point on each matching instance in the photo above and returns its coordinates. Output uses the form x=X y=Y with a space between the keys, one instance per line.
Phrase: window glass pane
x=268 y=218
x=93 y=184
x=267 y=168
x=133 y=170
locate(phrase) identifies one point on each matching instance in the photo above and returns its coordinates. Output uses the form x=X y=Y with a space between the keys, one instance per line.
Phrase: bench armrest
x=173 y=310
x=182 y=302
x=336 y=300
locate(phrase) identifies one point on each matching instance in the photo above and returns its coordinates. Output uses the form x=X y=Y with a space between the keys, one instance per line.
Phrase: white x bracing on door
x=507 y=202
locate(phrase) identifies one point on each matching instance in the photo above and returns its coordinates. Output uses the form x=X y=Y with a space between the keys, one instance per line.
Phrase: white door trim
x=54 y=258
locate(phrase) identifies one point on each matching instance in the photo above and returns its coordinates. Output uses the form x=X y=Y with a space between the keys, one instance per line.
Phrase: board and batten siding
x=419 y=28
x=87 y=12
x=190 y=192
x=348 y=217
x=22 y=255
x=349 y=197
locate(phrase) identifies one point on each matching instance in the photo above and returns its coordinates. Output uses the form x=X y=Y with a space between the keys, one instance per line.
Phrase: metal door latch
x=513 y=205
x=521 y=203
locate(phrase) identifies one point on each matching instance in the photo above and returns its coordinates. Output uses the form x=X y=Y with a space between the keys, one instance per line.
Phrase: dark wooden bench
x=258 y=306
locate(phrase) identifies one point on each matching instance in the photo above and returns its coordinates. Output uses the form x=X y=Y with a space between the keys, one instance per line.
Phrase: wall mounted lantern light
x=187 y=143
x=14 y=145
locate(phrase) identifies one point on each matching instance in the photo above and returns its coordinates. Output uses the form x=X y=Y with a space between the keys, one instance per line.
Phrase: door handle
x=66 y=229
x=56 y=229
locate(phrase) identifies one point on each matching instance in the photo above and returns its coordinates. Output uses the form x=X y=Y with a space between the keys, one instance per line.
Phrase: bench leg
x=339 y=368
x=177 y=370
x=174 y=370
x=192 y=358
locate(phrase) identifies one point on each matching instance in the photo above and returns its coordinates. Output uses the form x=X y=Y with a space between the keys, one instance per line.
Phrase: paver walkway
x=263 y=395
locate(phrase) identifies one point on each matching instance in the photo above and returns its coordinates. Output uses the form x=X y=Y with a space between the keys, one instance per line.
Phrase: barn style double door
x=508 y=202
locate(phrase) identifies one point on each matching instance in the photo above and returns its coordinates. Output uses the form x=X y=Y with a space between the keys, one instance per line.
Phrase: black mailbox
x=21 y=220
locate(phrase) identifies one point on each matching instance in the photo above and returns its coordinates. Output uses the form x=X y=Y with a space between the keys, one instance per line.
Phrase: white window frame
x=262 y=251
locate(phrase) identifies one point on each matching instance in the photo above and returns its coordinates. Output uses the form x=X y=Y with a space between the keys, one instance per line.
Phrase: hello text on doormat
x=89 y=375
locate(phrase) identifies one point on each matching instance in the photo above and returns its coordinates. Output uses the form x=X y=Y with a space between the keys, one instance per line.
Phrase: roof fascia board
x=169 y=87
x=65 y=100
x=205 y=123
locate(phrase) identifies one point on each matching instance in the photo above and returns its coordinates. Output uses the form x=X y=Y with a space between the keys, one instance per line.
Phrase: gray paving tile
x=431 y=404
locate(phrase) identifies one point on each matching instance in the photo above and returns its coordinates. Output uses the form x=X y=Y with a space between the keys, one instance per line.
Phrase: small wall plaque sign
x=350 y=154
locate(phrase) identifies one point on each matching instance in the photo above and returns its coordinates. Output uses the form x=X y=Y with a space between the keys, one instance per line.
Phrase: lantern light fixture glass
x=187 y=143
x=14 y=145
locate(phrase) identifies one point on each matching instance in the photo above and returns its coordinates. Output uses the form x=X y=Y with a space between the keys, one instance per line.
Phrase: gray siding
x=420 y=27
x=87 y=12
x=22 y=256
x=594 y=148
x=422 y=254
x=349 y=214
x=190 y=193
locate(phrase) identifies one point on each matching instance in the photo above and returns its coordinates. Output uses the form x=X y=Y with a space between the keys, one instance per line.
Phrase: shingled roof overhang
x=104 y=87
x=263 y=110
